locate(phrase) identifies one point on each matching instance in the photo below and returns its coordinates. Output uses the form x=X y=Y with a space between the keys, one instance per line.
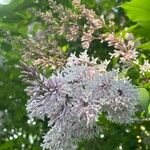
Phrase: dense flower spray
x=83 y=27
x=73 y=97
x=80 y=89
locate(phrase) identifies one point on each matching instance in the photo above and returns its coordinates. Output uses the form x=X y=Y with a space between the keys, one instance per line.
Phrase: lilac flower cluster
x=73 y=98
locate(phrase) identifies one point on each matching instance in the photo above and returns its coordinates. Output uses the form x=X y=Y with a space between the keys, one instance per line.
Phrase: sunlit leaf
x=138 y=10
x=144 y=98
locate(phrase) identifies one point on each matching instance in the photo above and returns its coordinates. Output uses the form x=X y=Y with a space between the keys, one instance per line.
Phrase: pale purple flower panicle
x=87 y=39
x=120 y=104
x=73 y=98
x=126 y=50
x=145 y=67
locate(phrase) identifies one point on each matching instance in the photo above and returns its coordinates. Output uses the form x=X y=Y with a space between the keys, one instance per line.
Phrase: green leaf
x=145 y=46
x=148 y=110
x=144 y=29
x=138 y=10
x=133 y=74
x=144 y=98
